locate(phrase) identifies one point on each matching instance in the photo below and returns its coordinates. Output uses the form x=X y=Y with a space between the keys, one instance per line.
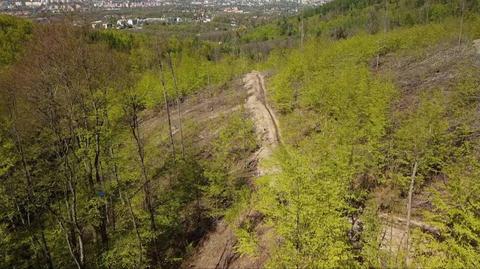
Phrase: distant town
x=32 y=7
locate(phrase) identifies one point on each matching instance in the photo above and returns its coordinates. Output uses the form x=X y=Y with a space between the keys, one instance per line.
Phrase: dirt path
x=266 y=124
x=217 y=250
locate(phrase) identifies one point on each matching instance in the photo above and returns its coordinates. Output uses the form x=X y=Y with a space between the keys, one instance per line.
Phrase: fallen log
x=401 y=222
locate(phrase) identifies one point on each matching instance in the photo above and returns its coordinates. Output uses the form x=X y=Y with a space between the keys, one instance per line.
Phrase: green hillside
x=129 y=150
x=361 y=105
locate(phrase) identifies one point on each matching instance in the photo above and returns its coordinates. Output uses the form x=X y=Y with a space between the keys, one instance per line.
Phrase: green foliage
x=14 y=33
x=337 y=114
x=6 y=256
x=457 y=218
x=234 y=142
x=370 y=240
x=304 y=204
x=195 y=72
x=124 y=254
x=455 y=202
x=84 y=178
x=266 y=32
x=247 y=243
x=7 y=159
x=422 y=137
x=87 y=170
x=150 y=88
x=115 y=39
x=346 y=18
x=328 y=66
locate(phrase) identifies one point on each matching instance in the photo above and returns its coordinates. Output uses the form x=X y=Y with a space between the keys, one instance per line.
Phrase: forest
x=126 y=149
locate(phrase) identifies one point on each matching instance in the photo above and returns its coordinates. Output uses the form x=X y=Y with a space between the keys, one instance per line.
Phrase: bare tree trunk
x=133 y=110
x=62 y=152
x=126 y=201
x=124 y=198
x=461 y=24
x=72 y=185
x=302 y=25
x=70 y=243
x=135 y=128
x=385 y=19
x=29 y=182
x=302 y=34
x=298 y=243
x=427 y=11
x=103 y=209
x=208 y=79
x=72 y=188
x=46 y=250
x=167 y=108
x=385 y=29
x=76 y=241
x=170 y=64
x=409 y=211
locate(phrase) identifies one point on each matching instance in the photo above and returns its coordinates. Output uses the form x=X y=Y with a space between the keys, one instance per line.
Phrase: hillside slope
x=368 y=122
x=360 y=149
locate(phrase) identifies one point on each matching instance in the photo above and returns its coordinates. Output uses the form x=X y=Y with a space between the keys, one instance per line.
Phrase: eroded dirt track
x=217 y=250
x=266 y=124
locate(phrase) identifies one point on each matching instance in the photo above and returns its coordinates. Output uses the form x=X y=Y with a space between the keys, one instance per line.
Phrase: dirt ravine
x=217 y=249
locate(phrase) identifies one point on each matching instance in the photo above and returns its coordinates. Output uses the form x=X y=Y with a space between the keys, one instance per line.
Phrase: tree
x=177 y=93
x=305 y=207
